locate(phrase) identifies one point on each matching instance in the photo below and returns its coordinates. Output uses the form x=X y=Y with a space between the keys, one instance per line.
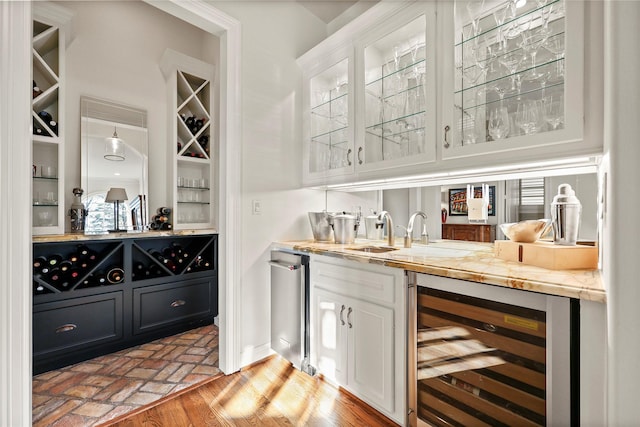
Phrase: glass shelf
x=193 y=203
x=180 y=187
x=42 y=178
x=41 y=205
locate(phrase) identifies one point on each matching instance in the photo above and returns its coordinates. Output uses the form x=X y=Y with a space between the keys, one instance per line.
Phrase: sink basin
x=374 y=249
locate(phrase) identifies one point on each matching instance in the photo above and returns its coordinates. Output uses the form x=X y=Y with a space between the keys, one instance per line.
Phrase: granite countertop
x=70 y=237
x=471 y=261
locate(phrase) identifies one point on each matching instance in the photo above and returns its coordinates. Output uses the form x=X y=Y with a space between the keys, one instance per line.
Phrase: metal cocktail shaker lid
x=566 y=195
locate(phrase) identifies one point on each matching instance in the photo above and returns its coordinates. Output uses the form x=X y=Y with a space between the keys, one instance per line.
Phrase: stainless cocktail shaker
x=565 y=216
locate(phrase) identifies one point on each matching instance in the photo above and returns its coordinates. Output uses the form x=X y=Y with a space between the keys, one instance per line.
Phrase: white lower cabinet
x=358 y=331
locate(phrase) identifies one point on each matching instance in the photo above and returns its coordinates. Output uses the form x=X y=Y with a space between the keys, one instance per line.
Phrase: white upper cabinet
x=328 y=101
x=513 y=79
x=396 y=118
x=434 y=87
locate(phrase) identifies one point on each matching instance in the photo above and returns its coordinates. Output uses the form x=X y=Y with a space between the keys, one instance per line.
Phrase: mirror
x=107 y=163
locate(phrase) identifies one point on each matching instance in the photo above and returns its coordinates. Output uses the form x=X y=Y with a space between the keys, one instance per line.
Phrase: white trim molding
x=206 y=17
x=15 y=211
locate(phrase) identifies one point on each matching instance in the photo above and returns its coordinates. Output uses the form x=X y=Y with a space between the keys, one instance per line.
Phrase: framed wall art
x=458 y=200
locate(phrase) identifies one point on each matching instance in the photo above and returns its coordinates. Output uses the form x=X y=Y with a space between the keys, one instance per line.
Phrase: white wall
x=274 y=34
x=114 y=54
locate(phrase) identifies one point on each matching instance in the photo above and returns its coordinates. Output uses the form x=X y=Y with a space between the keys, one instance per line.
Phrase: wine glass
x=553 y=111
x=512 y=61
x=475 y=8
x=531 y=42
x=555 y=45
x=500 y=15
x=498 y=122
x=528 y=116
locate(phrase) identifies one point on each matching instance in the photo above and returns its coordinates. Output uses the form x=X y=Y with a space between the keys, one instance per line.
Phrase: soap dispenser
x=565 y=216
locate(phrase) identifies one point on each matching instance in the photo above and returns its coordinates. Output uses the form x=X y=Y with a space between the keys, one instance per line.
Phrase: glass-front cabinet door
x=398 y=102
x=516 y=78
x=329 y=134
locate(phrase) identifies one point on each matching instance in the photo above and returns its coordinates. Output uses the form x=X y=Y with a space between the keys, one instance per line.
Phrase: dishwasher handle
x=285 y=265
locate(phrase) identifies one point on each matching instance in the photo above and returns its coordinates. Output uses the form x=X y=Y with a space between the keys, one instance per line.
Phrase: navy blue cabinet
x=94 y=297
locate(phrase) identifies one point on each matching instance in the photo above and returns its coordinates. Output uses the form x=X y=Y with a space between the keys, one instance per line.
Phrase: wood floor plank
x=269 y=393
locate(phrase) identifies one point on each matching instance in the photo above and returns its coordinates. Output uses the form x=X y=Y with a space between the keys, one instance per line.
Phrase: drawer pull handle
x=178 y=303
x=489 y=327
x=349 y=154
x=342 y=311
x=359 y=158
x=349 y=317
x=65 y=328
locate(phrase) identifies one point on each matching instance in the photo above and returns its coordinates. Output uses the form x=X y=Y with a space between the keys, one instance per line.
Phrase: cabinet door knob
x=342 y=311
x=66 y=328
x=446 y=133
x=359 y=158
x=349 y=317
x=178 y=303
x=349 y=154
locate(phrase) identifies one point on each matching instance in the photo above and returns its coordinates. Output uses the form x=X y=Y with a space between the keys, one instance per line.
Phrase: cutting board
x=548 y=255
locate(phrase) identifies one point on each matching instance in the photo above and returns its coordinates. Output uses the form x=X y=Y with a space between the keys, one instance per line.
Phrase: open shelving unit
x=194 y=140
x=48 y=59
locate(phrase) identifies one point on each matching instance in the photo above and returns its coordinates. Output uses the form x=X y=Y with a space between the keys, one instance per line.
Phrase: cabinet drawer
x=364 y=281
x=77 y=323
x=156 y=306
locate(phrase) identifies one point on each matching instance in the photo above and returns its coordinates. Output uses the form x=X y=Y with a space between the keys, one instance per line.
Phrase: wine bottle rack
x=65 y=268
x=192 y=140
x=47 y=114
x=111 y=300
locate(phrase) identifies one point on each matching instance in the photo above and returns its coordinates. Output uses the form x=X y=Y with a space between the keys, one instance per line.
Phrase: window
x=531 y=205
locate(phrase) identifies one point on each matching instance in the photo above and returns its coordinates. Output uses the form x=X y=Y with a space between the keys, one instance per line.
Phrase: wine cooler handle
x=359 y=158
x=66 y=328
x=489 y=327
x=178 y=303
x=349 y=317
x=342 y=311
x=446 y=133
x=348 y=154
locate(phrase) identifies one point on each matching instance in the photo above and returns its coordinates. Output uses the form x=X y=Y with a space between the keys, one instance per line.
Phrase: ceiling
x=327 y=10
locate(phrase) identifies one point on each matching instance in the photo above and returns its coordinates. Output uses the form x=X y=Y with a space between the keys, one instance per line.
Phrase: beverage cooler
x=482 y=355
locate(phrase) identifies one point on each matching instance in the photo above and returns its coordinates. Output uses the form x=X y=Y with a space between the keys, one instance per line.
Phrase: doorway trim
x=206 y=17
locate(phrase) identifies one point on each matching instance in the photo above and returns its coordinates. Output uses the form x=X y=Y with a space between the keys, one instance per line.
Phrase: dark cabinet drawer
x=77 y=323
x=160 y=305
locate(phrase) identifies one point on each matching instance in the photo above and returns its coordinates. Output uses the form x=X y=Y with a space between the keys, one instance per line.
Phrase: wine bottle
x=74 y=258
x=83 y=250
x=74 y=273
x=55 y=276
x=45 y=116
x=38 y=289
x=99 y=278
x=38 y=263
x=65 y=266
x=115 y=275
x=54 y=259
x=53 y=125
x=168 y=253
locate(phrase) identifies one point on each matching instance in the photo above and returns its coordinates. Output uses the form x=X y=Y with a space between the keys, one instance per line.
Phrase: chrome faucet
x=390 y=236
x=424 y=237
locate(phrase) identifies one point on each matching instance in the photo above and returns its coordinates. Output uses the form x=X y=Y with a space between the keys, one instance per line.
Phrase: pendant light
x=114 y=148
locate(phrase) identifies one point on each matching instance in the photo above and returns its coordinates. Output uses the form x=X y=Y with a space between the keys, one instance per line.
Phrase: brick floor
x=97 y=390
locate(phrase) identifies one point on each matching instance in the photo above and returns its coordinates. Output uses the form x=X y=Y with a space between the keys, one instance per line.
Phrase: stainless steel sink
x=374 y=249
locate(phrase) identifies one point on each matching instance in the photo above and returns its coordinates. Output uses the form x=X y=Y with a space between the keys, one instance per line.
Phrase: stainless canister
x=77 y=213
x=373 y=227
x=345 y=227
x=565 y=216
x=320 y=226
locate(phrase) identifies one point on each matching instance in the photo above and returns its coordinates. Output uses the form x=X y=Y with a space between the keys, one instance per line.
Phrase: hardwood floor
x=269 y=393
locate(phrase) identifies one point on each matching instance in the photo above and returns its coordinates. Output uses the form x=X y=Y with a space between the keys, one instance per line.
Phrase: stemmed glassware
x=555 y=45
x=474 y=8
x=528 y=116
x=498 y=122
x=553 y=111
x=512 y=61
x=531 y=42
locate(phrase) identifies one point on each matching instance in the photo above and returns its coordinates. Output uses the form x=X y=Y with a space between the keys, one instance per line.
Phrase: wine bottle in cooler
x=54 y=260
x=65 y=266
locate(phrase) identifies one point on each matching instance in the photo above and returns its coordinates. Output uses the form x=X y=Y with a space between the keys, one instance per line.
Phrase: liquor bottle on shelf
x=36 y=90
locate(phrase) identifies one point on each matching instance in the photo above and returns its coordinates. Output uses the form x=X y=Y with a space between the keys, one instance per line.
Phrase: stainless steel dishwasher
x=290 y=308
